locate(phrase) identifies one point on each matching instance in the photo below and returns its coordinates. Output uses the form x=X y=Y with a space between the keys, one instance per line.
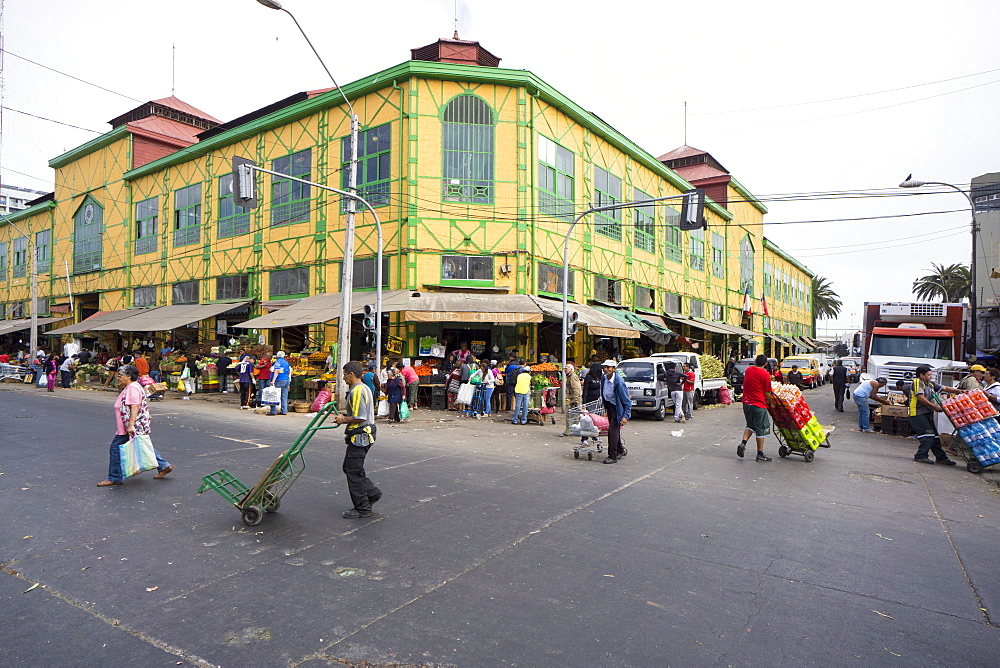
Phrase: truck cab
x=901 y=336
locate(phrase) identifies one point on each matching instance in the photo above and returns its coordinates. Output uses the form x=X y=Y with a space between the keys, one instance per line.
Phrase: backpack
x=512 y=372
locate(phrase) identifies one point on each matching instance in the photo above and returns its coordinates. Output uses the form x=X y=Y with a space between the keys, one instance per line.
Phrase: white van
x=646 y=380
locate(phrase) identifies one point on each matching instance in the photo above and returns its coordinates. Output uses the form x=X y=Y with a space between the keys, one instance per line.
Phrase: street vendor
x=574 y=389
x=864 y=392
x=974 y=381
x=924 y=403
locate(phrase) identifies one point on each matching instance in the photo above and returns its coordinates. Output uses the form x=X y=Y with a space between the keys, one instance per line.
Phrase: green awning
x=652 y=330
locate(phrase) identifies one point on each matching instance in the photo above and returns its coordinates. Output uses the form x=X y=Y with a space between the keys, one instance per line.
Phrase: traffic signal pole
x=243 y=179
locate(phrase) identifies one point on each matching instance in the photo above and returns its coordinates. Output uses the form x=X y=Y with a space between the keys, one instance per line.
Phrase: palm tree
x=826 y=302
x=949 y=284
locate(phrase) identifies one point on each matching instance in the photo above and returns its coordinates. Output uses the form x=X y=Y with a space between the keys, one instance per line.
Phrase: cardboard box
x=895 y=411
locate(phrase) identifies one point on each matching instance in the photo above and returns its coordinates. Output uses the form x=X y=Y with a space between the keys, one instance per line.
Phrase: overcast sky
x=791 y=97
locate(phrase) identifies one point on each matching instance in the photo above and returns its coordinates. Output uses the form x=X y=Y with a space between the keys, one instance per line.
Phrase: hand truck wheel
x=809 y=455
x=252 y=516
x=271 y=503
x=974 y=467
x=782 y=451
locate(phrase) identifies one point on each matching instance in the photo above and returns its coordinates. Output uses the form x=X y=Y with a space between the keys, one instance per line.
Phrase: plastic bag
x=404 y=411
x=180 y=386
x=465 y=393
x=270 y=396
x=383 y=408
x=725 y=396
x=137 y=455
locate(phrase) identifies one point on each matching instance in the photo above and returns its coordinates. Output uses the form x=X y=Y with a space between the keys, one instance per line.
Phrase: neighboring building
x=986 y=199
x=15 y=198
x=475 y=172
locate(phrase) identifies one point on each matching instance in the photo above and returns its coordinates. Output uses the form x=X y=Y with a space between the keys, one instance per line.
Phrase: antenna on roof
x=173 y=68
x=685 y=122
x=456 y=20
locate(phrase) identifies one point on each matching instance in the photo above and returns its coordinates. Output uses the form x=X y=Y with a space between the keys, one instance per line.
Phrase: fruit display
x=964 y=409
x=711 y=366
x=423 y=370
x=544 y=366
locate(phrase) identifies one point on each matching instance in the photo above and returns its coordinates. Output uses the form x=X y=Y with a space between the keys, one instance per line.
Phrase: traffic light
x=244 y=183
x=368 y=319
x=572 y=323
x=693 y=210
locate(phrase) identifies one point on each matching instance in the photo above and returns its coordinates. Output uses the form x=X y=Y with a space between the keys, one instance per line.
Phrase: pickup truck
x=706 y=390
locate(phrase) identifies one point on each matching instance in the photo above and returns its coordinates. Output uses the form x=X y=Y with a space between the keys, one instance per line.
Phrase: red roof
x=181 y=105
x=681 y=152
x=692 y=173
x=165 y=129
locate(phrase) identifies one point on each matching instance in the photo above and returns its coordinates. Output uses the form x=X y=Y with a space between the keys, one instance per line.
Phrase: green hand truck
x=266 y=495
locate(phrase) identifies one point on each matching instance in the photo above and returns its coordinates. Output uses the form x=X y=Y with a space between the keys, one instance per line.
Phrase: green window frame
x=644 y=222
x=550 y=279
x=477 y=268
x=718 y=314
x=696 y=308
x=144 y=296
x=232 y=287
x=608 y=191
x=19 y=264
x=672 y=302
x=374 y=165
x=43 y=251
x=696 y=249
x=468 y=137
x=289 y=282
x=674 y=242
x=746 y=265
x=767 y=279
x=556 y=180
x=718 y=255
x=607 y=290
x=645 y=298
x=147 y=223
x=187 y=215
x=232 y=220
x=290 y=199
x=3 y=260
x=184 y=293
x=364 y=273
x=88 y=230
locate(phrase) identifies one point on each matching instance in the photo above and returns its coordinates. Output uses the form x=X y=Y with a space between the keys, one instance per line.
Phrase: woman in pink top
x=412 y=381
x=131 y=418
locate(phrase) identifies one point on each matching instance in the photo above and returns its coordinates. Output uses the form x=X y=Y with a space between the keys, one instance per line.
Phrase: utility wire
x=84 y=81
x=50 y=120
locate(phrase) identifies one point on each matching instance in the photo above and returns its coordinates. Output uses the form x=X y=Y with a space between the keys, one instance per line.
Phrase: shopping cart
x=266 y=494
x=477 y=406
x=542 y=405
x=589 y=421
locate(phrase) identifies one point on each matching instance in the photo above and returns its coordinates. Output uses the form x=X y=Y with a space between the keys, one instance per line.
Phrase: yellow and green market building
x=475 y=171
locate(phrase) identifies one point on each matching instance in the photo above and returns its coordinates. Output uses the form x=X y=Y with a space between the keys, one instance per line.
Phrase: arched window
x=468 y=138
x=88 y=225
x=746 y=265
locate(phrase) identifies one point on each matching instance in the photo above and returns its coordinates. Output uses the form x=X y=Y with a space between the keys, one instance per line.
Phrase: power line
x=52 y=69
x=50 y=120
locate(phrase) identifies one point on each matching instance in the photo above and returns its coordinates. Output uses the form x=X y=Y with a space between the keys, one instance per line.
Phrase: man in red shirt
x=756 y=385
x=688 y=389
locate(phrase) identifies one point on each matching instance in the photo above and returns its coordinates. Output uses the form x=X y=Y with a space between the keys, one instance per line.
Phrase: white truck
x=706 y=390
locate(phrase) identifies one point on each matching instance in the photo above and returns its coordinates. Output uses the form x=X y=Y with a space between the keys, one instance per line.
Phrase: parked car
x=740 y=367
x=645 y=378
x=706 y=390
x=853 y=365
x=808 y=367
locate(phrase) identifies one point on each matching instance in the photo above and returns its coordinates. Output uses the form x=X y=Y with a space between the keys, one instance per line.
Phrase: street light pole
x=974 y=298
x=347 y=270
x=33 y=338
x=565 y=274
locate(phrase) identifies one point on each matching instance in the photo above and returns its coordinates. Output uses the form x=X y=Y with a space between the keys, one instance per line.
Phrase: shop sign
x=394 y=345
x=221 y=326
x=426 y=342
x=467 y=316
x=478 y=348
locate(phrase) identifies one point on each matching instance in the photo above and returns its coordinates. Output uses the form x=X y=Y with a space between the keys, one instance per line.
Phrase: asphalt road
x=492 y=546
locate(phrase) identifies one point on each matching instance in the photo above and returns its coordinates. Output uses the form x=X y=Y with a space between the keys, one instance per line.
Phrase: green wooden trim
x=27 y=213
x=769 y=245
x=95 y=144
x=749 y=196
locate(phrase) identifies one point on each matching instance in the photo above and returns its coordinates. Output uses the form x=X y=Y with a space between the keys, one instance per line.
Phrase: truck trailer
x=900 y=336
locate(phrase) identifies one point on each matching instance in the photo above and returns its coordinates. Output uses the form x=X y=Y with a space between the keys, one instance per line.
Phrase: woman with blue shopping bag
x=132 y=449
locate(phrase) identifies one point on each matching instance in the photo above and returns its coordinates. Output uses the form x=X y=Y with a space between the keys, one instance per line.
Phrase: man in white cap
x=281 y=378
x=618 y=407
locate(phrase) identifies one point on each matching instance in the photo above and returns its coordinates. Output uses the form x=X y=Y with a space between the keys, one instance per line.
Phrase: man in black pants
x=618 y=406
x=222 y=365
x=359 y=437
x=839 y=384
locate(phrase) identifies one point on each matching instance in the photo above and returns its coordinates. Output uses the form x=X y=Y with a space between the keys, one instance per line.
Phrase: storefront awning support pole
x=565 y=275
x=343 y=351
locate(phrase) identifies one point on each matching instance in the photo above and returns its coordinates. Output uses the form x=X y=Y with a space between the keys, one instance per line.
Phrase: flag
x=763 y=305
x=747 y=308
